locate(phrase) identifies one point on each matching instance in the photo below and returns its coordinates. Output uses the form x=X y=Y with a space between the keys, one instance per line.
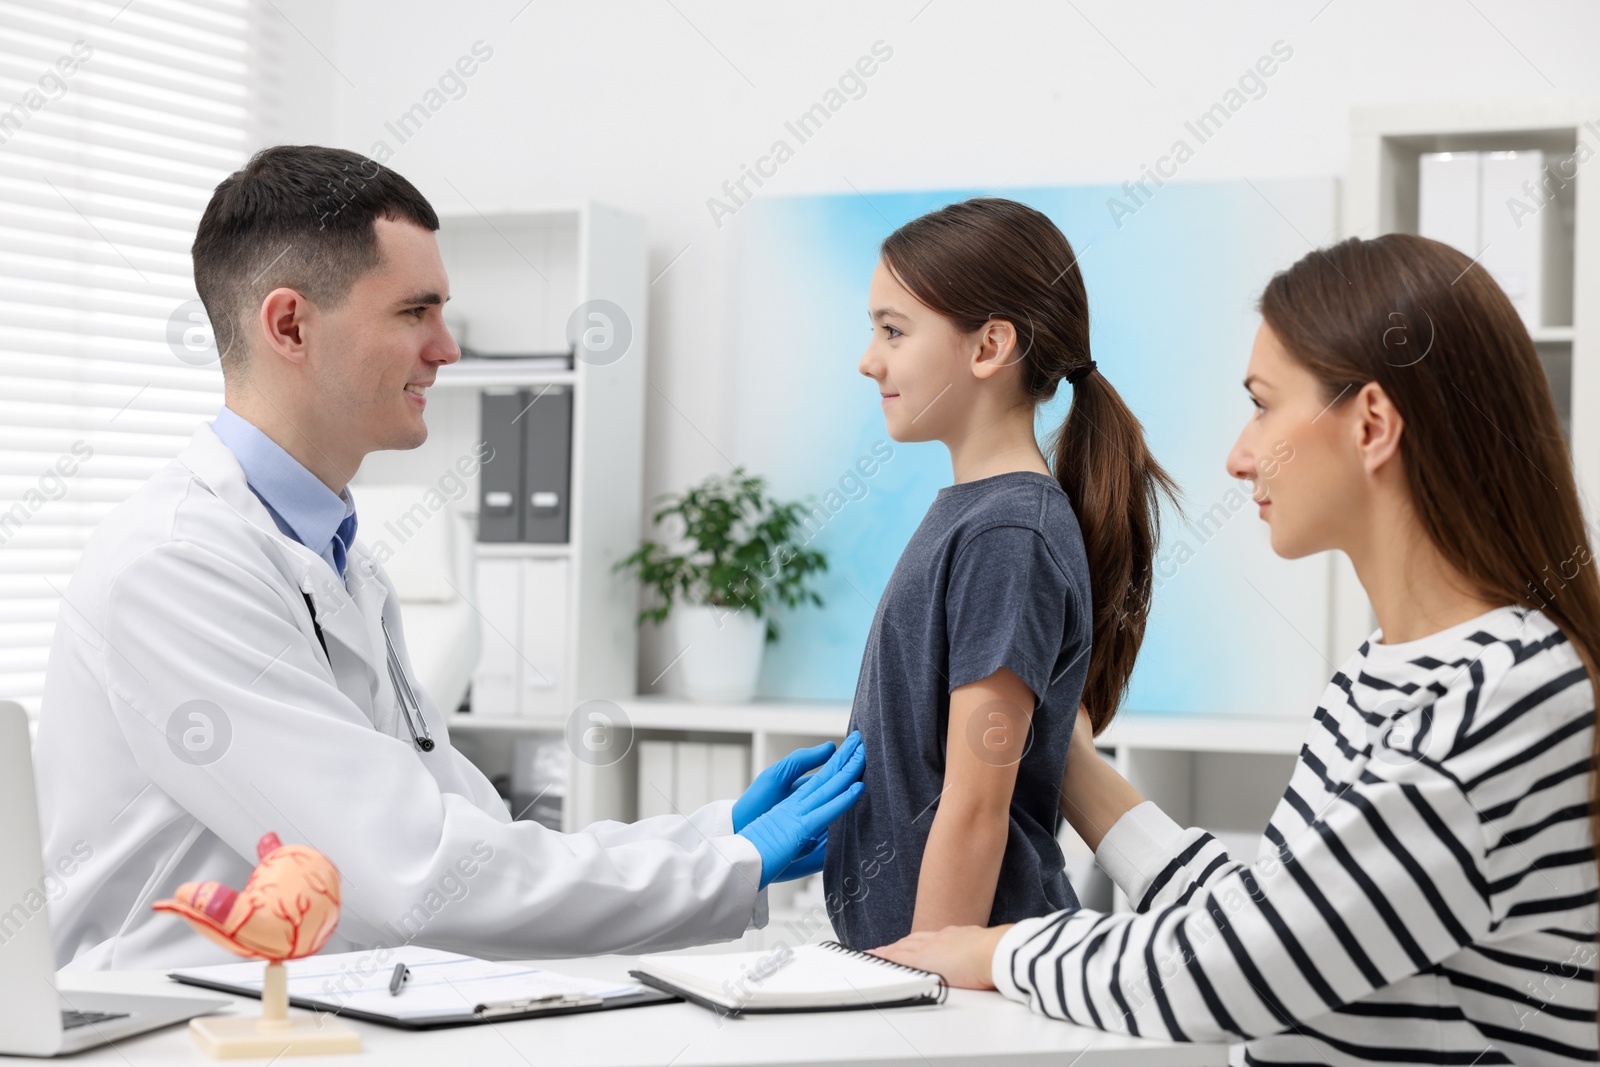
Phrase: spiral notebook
x=823 y=977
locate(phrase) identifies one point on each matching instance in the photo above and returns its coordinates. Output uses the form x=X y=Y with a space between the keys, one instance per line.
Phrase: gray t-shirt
x=995 y=576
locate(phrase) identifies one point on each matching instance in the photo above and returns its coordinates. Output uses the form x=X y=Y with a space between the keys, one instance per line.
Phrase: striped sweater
x=1424 y=893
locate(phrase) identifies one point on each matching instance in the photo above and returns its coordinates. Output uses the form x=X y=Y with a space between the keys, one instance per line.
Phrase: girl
x=1425 y=892
x=979 y=652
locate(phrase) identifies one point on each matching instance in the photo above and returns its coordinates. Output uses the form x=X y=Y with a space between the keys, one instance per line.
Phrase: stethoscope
x=405 y=697
x=410 y=709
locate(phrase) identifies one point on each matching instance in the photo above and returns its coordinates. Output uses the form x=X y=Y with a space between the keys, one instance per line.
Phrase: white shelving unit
x=557 y=623
x=1381 y=197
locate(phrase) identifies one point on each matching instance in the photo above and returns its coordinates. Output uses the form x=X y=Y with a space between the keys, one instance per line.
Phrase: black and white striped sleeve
x=1382 y=884
x=1156 y=862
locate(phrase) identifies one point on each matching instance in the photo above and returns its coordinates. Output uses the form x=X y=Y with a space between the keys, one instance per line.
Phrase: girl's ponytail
x=1100 y=457
x=989 y=259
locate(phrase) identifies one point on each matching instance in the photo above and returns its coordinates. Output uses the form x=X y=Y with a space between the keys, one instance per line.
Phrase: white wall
x=651 y=105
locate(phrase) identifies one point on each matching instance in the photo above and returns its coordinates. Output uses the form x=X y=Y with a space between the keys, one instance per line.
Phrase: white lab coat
x=188 y=591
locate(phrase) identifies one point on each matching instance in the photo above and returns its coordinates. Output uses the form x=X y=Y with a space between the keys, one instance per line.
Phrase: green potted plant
x=736 y=555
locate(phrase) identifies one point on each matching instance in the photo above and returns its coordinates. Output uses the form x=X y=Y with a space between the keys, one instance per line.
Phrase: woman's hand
x=962 y=954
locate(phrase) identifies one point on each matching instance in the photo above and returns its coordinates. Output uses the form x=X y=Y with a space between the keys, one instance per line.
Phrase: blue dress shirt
x=298 y=501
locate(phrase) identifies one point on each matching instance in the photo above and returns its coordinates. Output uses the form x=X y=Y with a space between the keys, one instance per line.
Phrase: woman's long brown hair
x=1488 y=470
x=988 y=259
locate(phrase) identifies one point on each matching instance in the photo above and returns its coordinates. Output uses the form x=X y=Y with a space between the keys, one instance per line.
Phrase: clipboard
x=493 y=1012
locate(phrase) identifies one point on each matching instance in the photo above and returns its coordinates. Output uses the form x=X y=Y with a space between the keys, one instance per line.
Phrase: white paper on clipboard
x=440 y=983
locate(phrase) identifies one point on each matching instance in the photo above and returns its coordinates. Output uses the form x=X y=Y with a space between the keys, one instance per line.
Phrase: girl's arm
x=1093 y=795
x=961 y=863
x=1134 y=842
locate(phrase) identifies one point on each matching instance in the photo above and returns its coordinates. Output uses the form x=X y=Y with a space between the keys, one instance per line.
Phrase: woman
x=1425 y=892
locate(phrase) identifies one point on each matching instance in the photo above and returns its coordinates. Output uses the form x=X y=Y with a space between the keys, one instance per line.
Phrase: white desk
x=969 y=1028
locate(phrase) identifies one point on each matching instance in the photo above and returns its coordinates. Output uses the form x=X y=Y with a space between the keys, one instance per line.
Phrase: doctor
x=220 y=670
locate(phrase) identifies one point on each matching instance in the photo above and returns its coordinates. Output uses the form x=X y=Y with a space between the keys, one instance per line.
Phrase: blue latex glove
x=778 y=781
x=794 y=827
x=810 y=863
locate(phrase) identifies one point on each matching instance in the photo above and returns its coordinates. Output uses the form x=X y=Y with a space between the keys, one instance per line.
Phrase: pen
x=397 y=979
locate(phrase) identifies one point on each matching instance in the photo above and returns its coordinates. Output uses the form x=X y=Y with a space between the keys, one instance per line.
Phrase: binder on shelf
x=693 y=780
x=1449 y=190
x=1524 y=246
x=1480 y=203
x=525 y=484
x=681 y=776
x=657 y=778
x=547 y=464
x=500 y=477
x=546 y=637
x=729 y=770
x=496 y=679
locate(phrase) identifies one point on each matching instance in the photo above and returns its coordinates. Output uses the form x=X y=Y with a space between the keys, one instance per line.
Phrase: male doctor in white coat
x=219 y=667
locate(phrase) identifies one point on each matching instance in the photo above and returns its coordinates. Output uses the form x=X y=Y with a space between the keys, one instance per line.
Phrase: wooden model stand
x=275 y=1032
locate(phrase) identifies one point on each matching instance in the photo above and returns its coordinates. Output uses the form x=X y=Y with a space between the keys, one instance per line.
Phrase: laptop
x=37 y=1019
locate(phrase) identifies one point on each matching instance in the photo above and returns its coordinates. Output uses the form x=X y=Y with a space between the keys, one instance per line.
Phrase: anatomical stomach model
x=287 y=909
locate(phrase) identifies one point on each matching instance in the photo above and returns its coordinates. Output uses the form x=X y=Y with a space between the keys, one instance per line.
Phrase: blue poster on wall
x=1172 y=289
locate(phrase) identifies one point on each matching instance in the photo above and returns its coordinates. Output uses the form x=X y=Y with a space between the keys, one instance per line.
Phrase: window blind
x=117 y=119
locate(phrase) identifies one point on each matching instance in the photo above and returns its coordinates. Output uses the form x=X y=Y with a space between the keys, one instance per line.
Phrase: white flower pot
x=721 y=657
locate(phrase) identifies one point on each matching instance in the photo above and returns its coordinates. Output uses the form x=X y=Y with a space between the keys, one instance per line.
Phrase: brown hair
x=990 y=259
x=297 y=217
x=1488 y=471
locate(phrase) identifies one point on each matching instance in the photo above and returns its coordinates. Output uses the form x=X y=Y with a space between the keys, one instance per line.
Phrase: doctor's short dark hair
x=298 y=217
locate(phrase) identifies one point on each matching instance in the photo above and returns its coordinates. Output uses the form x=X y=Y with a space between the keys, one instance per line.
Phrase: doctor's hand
x=808 y=864
x=797 y=825
x=778 y=781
